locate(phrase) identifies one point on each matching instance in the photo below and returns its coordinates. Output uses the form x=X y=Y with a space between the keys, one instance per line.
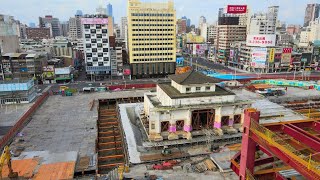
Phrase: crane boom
x=6 y=158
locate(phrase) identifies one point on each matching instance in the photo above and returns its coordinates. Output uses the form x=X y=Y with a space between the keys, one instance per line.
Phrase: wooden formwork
x=110 y=141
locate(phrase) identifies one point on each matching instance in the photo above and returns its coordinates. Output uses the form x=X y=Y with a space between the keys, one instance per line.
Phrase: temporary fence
x=292 y=83
x=23 y=120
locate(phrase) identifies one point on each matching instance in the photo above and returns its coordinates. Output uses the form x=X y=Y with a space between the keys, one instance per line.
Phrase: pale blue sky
x=291 y=11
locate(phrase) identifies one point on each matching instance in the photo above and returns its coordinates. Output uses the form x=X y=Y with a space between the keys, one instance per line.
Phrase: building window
x=93 y=31
x=105 y=50
x=105 y=40
x=100 y=63
x=99 y=35
x=87 y=26
x=198 y=88
x=188 y=89
x=105 y=59
x=93 y=41
x=104 y=31
x=89 y=63
x=99 y=45
x=207 y=88
x=88 y=45
x=94 y=50
x=98 y=26
x=100 y=54
x=95 y=59
x=89 y=54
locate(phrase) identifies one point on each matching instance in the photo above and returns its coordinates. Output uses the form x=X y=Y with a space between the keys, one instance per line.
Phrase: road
x=206 y=64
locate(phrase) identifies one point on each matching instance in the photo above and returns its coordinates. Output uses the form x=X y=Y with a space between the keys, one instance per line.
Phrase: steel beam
x=248 y=146
x=302 y=136
x=316 y=126
x=288 y=160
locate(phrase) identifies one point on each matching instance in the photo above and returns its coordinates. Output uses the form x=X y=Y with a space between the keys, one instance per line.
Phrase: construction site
x=189 y=127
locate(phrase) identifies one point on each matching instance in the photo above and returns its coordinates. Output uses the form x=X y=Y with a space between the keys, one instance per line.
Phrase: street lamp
x=294 y=73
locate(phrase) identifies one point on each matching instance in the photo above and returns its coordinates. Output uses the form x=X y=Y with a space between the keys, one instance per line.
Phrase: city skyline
x=291 y=11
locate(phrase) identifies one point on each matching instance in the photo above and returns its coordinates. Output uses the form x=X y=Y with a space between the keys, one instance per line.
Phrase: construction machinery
x=6 y=158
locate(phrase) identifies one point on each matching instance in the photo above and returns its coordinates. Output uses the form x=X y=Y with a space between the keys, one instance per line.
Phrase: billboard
x=94 y=20
x=259 y=57
x=179 y=61
x=262 y=40
x=48 y=68
x=271 y=55
x=65 y=70
x=236 y=9
x=231 y=53
x=286 y=55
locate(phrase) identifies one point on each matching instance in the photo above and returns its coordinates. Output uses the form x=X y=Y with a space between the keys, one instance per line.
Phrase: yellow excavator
x=6 y=158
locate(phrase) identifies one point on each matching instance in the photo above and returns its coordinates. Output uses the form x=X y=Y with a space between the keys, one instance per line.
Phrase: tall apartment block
x=228 y=31
x=152 y=38
x=96 y=45
x=75 y=30
x=264 y=23
x=312 y=12
x=54 y=23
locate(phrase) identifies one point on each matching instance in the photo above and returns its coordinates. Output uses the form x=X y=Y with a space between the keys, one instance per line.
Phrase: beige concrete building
x=152 y=38
x=227 y=34
x=189 y=105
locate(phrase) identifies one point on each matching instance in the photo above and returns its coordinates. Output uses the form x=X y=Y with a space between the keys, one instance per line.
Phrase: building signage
x=180 y=61
x=61 y=71
x=231 y=53
x=271 y=55
x=259 y=57
x=286 y=55
x=268 y=40
x=48 y=68
x=236 y=9
x=94 y=20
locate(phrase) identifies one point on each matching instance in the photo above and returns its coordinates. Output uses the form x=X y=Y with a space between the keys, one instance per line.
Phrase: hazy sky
x=291 y=11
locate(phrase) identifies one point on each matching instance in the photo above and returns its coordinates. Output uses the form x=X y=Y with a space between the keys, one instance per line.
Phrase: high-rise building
x=221 y=12
x=9 y=34
x=264 y=23
x=109 y=10
x=181 y=26
x=96 y=45
x=124 y=27
x=152 y=38
x=79 y=13
x=188 y=21
x=312 y=12
x=116 y=30
x=212 y=33
x=49 y=21
x=202 y=20
x=315 y=30
x=64 y=29
x=75 y=29
x=204 y=31
x=32 y=25
x=293 y=29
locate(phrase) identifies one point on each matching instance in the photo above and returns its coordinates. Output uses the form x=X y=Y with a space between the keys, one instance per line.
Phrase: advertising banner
x=94 y=20
x=259 y=57
x=236 y=9
x=48 y=68
x=60 y=71
x=286 y=55
x=231 y=53
x=180 y=61
x=271 y=55
x=262 y=40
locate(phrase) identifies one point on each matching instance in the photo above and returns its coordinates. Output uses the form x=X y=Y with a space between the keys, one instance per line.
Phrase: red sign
x=236 y=9
x=126 y=72
x=287 y=50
